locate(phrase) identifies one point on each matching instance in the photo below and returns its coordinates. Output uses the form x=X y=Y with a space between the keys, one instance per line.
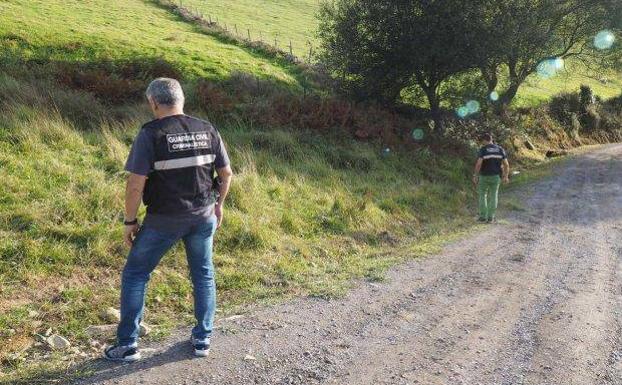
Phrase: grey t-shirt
x=141 y=160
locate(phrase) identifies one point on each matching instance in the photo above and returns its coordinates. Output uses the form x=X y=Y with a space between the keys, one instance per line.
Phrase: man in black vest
x=172 y=166
x=492 y=168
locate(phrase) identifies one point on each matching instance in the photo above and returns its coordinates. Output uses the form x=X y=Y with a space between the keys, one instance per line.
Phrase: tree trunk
x=516 y=80
x=430 y=88
x=435 y=110
x=508 y=96
x=489 y=73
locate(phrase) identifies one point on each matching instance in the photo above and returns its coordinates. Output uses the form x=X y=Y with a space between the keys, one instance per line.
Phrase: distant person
x=172 y=166
x=491 y=168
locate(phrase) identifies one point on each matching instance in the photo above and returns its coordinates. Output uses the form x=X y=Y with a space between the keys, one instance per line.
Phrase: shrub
x=564 y=105
x=113 y=82
x=586 y=97
x=213 y=99
x=267 y=104
x=590 y=120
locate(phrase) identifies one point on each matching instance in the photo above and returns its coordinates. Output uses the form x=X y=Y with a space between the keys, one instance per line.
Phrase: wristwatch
x=131 y=223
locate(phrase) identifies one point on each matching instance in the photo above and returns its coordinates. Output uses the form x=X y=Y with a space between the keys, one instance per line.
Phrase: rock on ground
x=58 y=342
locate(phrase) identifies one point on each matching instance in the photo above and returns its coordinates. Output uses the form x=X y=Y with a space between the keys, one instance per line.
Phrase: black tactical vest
x=182 y=178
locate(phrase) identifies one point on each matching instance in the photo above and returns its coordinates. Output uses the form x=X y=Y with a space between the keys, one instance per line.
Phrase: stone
x=97 y=331
x=111 y=315
x=144 y=329
x=249 y=357
x=58 y=342
x=233 y=318
x=556 y=153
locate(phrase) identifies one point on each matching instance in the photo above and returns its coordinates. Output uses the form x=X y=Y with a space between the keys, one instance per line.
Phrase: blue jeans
x=148 y=248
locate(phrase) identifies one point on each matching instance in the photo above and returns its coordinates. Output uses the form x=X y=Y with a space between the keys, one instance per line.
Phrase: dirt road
x=535 y=299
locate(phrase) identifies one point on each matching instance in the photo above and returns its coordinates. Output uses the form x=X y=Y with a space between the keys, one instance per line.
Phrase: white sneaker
x=121 y=353
x=201 y=347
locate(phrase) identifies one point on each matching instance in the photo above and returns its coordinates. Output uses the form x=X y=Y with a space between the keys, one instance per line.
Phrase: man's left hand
x=506 y=179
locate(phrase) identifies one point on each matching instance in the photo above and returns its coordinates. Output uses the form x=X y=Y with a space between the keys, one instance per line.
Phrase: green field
x=100 y=29
x=605 y=83
x=285 y=20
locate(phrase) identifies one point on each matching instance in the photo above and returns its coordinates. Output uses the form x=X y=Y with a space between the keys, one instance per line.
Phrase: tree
x=522 y=34
x=379 y=47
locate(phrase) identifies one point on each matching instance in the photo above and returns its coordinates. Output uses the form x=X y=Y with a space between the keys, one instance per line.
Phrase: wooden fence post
x=249 y=34
x=236 y=29
x=310 y=53
x=291 y=49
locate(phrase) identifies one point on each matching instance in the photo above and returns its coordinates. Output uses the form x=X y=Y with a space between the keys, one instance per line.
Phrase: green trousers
x=488 y=190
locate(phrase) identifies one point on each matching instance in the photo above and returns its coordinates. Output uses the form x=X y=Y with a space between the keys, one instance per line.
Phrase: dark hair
x=486 y=137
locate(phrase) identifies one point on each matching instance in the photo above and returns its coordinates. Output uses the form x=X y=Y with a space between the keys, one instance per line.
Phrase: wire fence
x=248 y=35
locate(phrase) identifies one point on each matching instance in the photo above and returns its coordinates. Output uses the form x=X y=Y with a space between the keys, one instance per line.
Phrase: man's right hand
x=218 y=211
x=475 y=180
x=129 y=234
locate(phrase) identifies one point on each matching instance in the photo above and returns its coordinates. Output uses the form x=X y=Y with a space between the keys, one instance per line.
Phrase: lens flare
x=473 y=106
x=462 y=112
x=418 y=134
x=386 y=152
x=558 y=63
x=547 y=68
x=604 y=39
x=494 y=96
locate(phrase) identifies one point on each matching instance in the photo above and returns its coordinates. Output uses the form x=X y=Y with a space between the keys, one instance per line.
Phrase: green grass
x=92 y=30
x=536 y=91
x=285 y=20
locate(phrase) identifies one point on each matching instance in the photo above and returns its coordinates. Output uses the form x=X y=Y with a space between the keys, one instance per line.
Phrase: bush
x=113 y=82
x=590 y=120
x=269 y=105
x=564 y=105
x=586 y=97
x=213 y=99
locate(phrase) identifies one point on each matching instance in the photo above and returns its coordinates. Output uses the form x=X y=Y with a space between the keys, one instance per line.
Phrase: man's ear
x=152 y=104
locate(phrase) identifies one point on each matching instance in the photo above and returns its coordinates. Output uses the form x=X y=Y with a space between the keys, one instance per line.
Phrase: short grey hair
x=165 y=91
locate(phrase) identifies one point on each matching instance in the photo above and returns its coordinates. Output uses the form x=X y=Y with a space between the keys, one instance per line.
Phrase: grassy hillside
x=55 y=30
x=536 y=91
x=284 y=20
